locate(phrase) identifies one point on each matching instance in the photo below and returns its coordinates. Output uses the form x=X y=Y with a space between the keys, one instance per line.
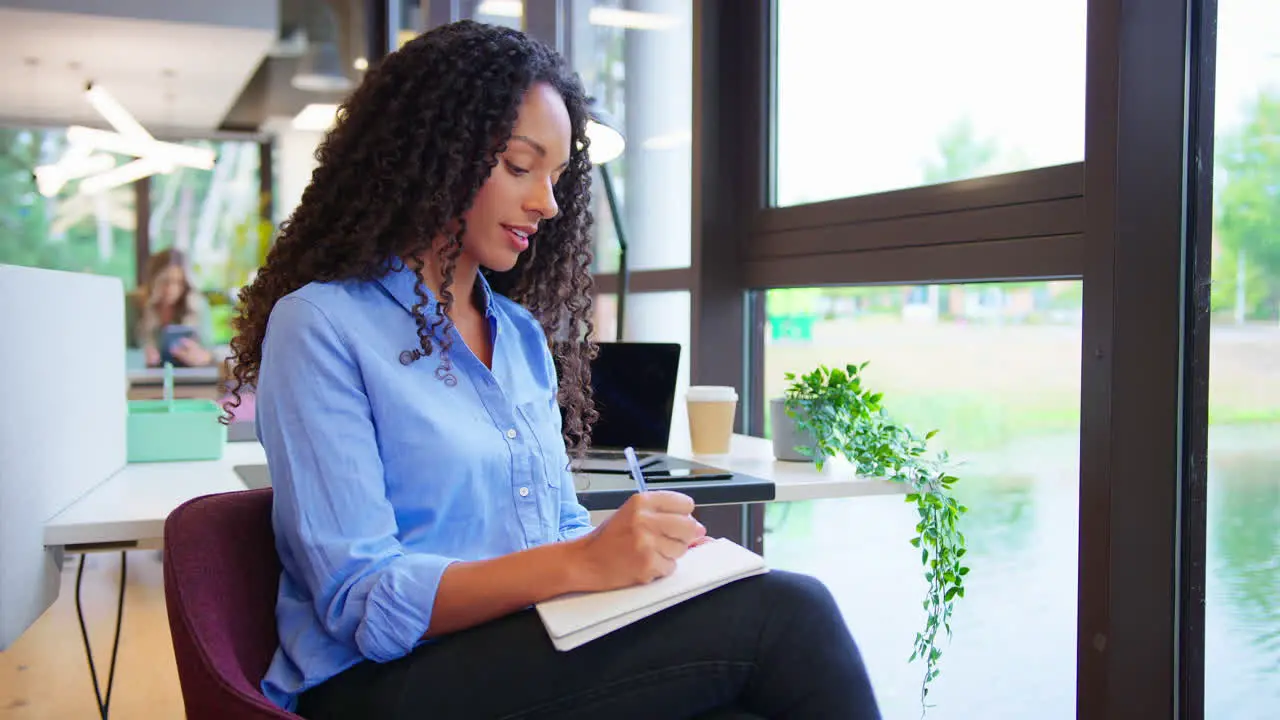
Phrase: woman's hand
x=190 y=353
x=151 y=356
x=639 y=543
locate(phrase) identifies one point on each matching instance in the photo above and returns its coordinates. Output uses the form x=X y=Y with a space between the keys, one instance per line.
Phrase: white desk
x=131 y=506
x=794 y=480
x=206 y=375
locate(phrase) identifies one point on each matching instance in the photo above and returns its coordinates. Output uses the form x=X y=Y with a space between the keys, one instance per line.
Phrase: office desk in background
x=203 y=383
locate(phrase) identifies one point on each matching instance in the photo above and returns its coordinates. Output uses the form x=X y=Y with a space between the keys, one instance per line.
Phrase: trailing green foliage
x=846 y=419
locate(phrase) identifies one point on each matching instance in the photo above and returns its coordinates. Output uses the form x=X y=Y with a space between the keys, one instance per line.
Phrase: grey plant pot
x=786 y=436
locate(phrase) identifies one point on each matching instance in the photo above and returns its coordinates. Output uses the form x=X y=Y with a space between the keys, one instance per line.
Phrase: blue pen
x=634 y=465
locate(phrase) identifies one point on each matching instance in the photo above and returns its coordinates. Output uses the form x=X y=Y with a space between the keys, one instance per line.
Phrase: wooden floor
x=44 y=675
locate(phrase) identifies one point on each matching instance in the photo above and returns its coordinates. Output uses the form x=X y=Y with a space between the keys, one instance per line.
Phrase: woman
x=398 y=337
x=171 y=319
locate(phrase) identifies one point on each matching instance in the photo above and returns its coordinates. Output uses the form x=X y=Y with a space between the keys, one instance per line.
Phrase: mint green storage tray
x=175 y=430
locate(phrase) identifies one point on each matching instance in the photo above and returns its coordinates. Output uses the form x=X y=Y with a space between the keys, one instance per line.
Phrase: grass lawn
x=982 y=386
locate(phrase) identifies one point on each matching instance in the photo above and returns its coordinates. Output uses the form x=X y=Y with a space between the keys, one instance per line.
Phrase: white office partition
x=62 y=423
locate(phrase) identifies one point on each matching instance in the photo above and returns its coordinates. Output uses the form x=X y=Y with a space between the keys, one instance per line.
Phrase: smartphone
x=170 y=335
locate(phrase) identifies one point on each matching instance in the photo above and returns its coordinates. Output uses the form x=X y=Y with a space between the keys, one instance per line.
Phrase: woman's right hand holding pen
x=637 y=544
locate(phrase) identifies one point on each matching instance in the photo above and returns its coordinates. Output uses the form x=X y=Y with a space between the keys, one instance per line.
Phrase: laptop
x=634 y=388
x=254 y=477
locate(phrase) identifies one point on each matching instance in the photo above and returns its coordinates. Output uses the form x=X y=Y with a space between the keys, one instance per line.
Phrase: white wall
x=294 y=158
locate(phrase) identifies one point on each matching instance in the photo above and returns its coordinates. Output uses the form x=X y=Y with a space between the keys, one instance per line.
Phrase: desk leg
x=742 y=523
x=104 y=703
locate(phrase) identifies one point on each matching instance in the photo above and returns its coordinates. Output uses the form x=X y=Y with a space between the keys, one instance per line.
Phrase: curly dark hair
x=409 y=151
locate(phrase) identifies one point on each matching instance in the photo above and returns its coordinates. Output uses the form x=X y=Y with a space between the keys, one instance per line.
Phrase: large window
x=1242 y=611
x=409 y=23
x=67 y=230
x=996 y=369
x=875 y=96
x=215 y=217
x=636 y=60
x=494 y=12
x=1087 y=539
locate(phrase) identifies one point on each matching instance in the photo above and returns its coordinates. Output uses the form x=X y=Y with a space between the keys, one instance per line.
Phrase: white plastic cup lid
x=711 y=393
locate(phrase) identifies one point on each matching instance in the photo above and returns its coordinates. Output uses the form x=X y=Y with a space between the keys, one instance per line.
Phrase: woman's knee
x=792 y=589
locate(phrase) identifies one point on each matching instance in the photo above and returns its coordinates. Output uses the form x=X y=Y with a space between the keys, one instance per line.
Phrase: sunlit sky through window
x=868 y=90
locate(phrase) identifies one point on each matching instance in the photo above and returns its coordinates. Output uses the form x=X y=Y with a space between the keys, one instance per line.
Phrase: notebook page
x=702 y=568
x=587 y=634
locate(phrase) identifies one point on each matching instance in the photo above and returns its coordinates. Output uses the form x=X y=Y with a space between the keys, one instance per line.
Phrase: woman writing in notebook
x=413 y=337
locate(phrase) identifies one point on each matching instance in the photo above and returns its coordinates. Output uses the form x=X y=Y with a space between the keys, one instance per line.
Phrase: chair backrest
x=221 y=576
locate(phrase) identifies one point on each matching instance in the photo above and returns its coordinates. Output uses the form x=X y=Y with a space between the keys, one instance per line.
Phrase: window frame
x=1140 y=231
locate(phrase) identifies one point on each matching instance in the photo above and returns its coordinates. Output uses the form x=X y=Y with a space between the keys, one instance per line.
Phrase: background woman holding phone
x=170 y=317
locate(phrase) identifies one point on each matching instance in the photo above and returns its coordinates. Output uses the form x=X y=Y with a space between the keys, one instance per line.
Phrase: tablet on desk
x=686 y=474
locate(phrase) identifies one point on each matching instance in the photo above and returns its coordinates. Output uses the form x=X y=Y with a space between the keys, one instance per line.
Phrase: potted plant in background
x=829 y=413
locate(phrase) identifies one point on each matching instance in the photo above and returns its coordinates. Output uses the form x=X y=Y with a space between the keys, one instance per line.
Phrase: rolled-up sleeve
x=336 y=532
x=574 y=519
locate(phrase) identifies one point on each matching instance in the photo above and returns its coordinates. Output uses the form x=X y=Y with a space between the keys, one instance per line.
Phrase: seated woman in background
x=169 y=317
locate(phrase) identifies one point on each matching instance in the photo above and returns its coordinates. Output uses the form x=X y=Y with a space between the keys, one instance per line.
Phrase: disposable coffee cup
x=711 y=412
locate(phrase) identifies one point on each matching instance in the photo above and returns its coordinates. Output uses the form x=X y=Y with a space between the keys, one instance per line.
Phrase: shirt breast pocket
x=550 y=443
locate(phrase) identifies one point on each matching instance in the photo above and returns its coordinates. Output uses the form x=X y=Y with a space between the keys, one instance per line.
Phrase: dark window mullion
x=1139 y=433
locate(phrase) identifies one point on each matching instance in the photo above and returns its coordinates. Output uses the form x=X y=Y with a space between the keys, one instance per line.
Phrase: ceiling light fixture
x=99 y=172
x=171 y=153
x=320 y=70
x=316 y=117
x=123 y=175
x=79 y=161
x=115 y=114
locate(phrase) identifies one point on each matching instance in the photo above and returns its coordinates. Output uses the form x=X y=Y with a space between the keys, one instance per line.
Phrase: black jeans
x=771 y=646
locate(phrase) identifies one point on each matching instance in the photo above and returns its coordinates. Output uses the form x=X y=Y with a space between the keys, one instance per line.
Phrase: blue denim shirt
x=384 y=475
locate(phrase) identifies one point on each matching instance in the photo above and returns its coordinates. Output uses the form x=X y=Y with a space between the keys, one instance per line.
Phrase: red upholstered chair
x=221 y=575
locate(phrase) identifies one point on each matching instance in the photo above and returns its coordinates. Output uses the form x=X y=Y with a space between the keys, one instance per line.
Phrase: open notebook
x=577 y=618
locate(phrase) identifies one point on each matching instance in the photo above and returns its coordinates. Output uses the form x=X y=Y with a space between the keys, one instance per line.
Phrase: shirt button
x=511 y=433
x=524 y=492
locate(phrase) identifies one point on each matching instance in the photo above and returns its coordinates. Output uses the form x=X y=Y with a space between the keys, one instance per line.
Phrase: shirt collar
x=399 y=281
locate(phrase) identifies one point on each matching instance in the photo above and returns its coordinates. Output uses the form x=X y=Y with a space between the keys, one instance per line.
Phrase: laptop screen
x=634 y=387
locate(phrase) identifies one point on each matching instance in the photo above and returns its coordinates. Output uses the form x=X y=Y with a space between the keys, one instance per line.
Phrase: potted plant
x=831 y=413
